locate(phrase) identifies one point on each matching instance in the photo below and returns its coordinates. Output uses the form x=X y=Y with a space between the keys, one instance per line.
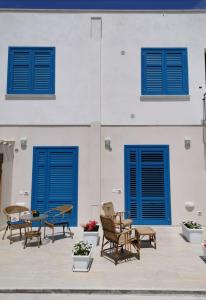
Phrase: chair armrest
x=123 y=213
x=8 y=216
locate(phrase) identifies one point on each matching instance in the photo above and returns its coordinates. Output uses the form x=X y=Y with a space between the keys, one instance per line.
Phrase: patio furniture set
x=120 y=240
x=21 y=218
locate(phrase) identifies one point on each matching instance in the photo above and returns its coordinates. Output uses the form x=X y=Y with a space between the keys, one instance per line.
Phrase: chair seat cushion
x=127 y=222
x=17 y=224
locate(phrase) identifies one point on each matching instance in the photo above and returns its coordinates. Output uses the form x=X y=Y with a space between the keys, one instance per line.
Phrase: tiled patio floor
x=175 y=265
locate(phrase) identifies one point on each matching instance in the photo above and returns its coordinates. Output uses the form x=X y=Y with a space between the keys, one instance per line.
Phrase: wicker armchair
x=118 y=217
x=17 y=223
x=117 y=246
x=59 y=216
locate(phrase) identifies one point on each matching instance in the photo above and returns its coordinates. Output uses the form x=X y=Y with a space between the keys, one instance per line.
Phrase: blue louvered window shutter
x=164 y=71
x=31 y=70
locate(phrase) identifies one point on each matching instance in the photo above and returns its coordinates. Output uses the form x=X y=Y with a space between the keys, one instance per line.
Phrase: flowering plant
x=82 y=248
x=91 y=226
x=192 y=225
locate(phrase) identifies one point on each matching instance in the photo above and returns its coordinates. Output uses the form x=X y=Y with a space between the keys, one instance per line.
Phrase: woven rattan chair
x=118 y=217
x=58 y=216
x=117 y=246
x=16 y=223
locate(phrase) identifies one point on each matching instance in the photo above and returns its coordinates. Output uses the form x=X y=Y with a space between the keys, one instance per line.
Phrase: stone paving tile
x=175 y=265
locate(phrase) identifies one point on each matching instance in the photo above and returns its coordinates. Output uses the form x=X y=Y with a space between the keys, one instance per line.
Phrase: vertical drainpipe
x=96 y=36
x=204 y=127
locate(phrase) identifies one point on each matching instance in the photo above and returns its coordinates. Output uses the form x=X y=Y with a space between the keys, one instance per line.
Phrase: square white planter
x=82 y=263
x=204 y=251
x=192 y=235
x=91 y=237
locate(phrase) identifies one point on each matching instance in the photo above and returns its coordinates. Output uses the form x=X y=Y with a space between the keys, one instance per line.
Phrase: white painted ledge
x=30 y=97
x=165 y=98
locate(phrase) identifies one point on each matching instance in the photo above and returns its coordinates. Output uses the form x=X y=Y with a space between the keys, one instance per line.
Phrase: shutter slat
x=40 y=179
x=175 y=79
x=132 y=161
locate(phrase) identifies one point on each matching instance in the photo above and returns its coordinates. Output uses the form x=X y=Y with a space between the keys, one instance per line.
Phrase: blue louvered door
x=147 y=184
x=55 y=179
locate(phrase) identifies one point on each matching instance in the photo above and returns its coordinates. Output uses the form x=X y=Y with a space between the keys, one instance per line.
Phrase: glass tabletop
x=30 y=217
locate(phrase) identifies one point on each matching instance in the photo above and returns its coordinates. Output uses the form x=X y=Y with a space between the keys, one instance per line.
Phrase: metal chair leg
x=7 y=227
x=11 y=236
x=25 y=243
x=44 y=231
x=53 y=235
x=39 y=241
x=70 y=232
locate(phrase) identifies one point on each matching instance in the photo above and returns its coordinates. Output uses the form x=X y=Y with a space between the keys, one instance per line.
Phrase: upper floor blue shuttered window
x=31 y=70
x=164 y=71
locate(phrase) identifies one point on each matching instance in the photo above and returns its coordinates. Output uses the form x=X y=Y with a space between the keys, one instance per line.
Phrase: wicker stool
x=143 y=231
x=31 y=234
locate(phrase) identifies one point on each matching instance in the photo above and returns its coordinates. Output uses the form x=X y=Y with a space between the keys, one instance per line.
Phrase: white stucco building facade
x=98 y=98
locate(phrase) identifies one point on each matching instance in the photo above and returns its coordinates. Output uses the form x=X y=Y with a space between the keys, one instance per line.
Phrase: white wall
x=96 y=84
x=79 y=68
x=121 y=74
x=19 y=180
x=102 y=171
x=187 y=167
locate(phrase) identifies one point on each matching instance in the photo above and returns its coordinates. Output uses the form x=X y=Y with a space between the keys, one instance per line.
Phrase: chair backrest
x=14 y=209
x=64 y=209
x=108 y=209
x=59 y=213
x=109 y=229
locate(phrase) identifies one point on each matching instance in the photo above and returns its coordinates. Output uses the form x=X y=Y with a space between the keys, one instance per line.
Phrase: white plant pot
x=82 y=263
x=192 y=235
x=91 y=237
x=204 y=251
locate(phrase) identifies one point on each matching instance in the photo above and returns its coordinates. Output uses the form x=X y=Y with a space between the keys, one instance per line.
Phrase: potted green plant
x=192 y=231
x=81 y=255
x=91 y=232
